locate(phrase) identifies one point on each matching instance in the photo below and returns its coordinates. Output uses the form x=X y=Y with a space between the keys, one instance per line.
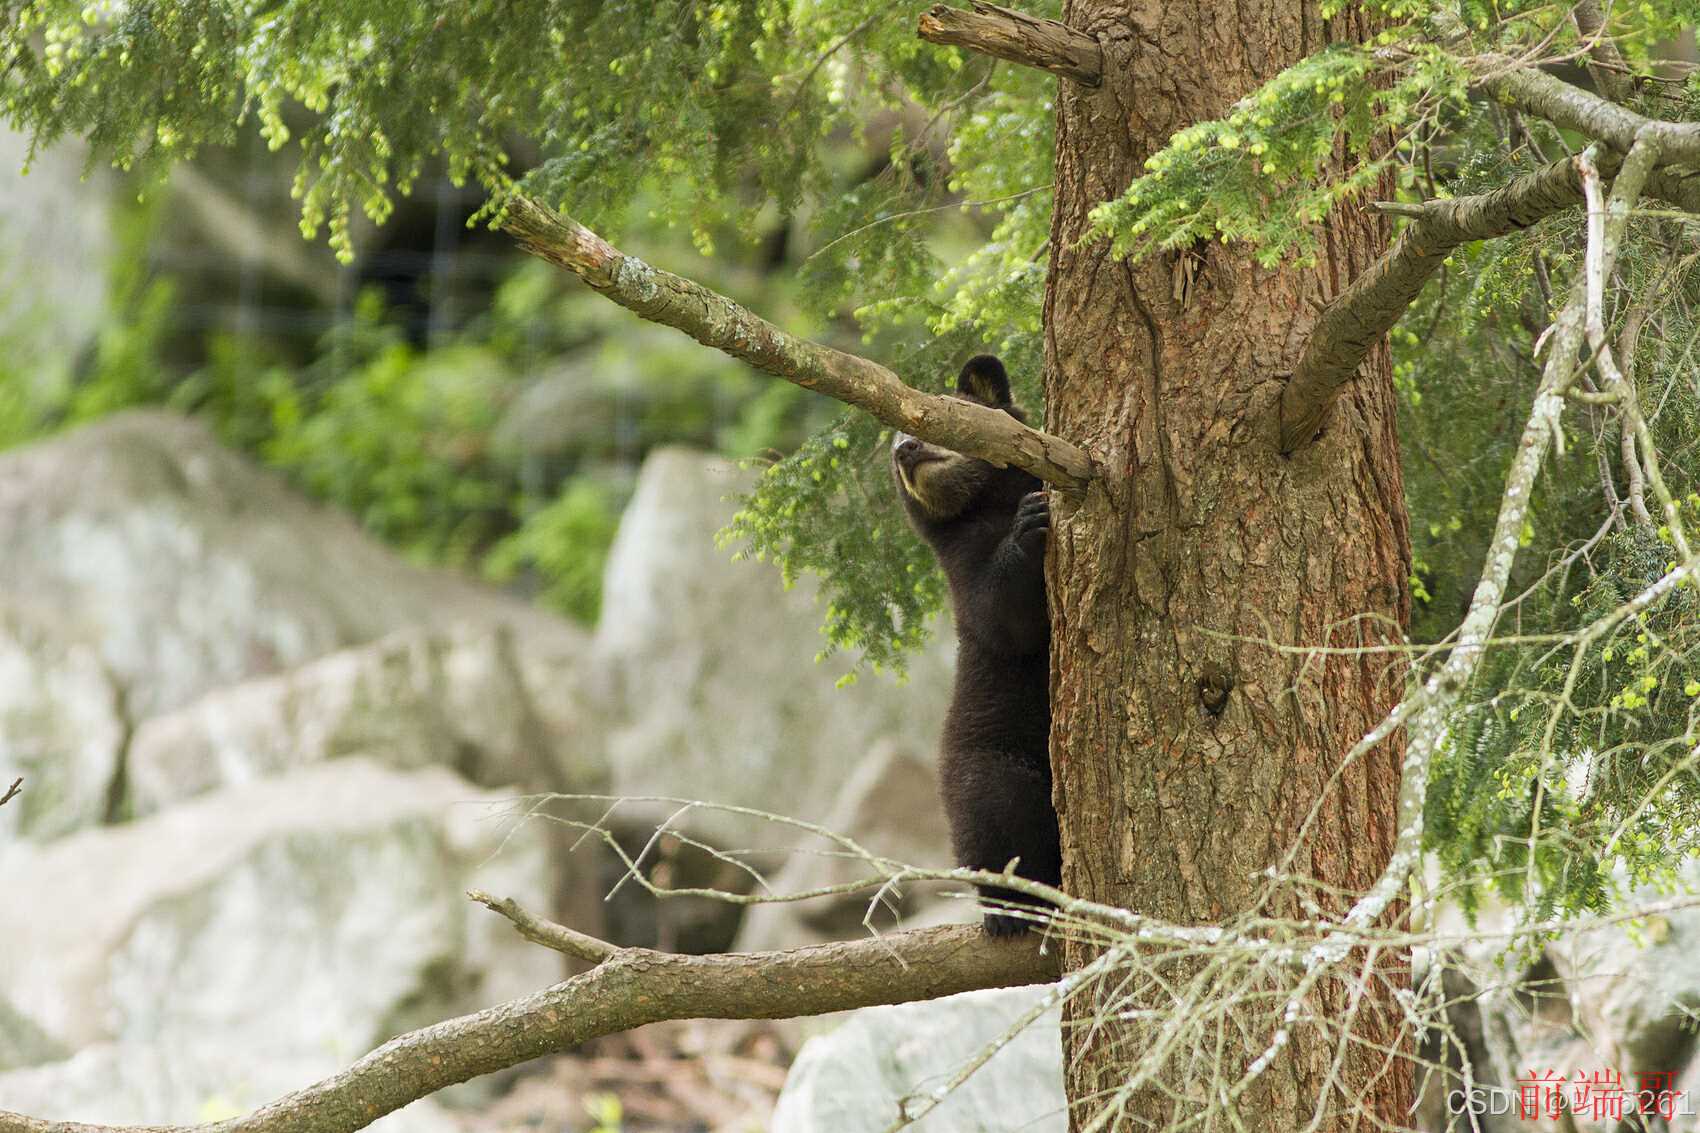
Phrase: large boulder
x=1614 y=997
x=202 y=1081
x=187 y=567
x=883 y=1061
x=260 y=937
x=414 y=699
x=62 y=726
x=710 y=671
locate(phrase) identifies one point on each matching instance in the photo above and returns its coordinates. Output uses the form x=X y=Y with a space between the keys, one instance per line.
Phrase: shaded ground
x=700 y=1076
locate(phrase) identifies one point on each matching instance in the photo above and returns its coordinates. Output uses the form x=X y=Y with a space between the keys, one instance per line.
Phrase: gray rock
x=22 y=1043
x=317 y=913
x=711 y=671
x=413 y=699
x=1608 y=999
x=194 y=1083
x=856 y=1078
x=187 y=567
x=61 y=726
x=1639 y=995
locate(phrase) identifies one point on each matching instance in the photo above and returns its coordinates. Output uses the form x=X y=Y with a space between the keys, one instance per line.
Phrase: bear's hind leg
x=1000 y=810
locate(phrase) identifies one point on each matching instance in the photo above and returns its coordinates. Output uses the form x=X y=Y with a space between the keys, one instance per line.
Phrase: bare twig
x=1017 y=37
x=12 y=791
x=1643 y=466
x=1617 y=386
x=714 y=320
x=547 y=933
x=1635 y=481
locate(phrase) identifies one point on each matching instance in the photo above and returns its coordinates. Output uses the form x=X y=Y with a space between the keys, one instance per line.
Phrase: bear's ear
x=984 y=378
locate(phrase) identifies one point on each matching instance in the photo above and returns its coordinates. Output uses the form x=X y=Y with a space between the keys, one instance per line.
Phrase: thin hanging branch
x=1431 y=706
x=714 y=320
x=628 y=988
x=1017 y=37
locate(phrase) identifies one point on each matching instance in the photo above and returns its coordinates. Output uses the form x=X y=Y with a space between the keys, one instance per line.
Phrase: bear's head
x=940 y=487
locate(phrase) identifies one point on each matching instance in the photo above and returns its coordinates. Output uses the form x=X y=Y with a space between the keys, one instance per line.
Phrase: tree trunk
x=1199 y=550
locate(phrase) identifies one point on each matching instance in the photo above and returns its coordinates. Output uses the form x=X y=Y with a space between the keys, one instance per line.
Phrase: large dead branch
x=1431 y=707
x=714 y=320
x=1002 y=33
x=628 y=988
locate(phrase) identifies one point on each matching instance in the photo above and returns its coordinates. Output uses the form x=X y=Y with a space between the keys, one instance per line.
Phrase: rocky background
x=263 y=758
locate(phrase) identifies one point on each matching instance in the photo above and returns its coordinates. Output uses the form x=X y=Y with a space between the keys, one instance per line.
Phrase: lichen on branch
x=714 y=320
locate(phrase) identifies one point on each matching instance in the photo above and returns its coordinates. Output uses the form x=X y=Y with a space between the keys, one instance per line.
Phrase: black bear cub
x=988 y=525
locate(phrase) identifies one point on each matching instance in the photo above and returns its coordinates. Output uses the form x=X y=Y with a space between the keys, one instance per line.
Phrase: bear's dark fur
x=988 y=525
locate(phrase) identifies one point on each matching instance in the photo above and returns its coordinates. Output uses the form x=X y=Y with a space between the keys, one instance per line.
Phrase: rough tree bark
x=1186 y=750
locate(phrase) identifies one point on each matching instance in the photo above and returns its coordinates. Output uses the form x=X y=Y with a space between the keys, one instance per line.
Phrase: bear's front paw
x=1032 y=521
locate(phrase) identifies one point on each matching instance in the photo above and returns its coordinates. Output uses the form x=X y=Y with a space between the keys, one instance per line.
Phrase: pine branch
x=629 y=988
x=1545 y=96
x=1017 y=37
x=714 y=320
x=1357 y=318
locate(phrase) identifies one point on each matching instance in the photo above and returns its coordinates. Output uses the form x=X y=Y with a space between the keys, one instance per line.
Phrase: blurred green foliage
x=507 y=448
x=564 y=541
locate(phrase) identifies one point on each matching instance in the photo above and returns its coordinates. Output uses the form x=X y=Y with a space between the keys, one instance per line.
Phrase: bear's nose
x=906 y=445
